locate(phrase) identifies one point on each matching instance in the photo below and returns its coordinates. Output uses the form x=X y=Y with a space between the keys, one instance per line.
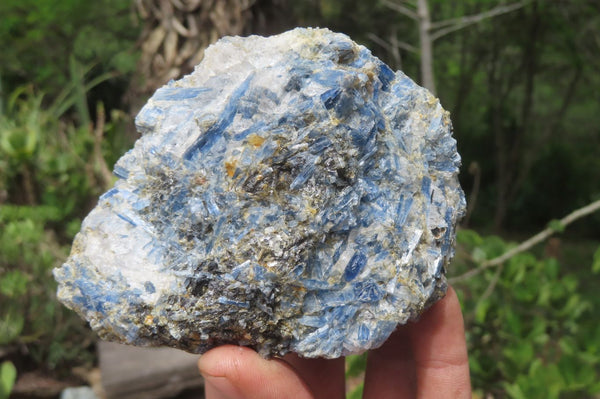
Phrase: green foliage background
x=38 y=37
x=522 y=89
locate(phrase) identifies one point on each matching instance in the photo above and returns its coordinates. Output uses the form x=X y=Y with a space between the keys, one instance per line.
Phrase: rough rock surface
x=292 y=194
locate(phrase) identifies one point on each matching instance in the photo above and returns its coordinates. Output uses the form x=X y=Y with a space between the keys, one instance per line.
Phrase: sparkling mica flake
x=292 y=194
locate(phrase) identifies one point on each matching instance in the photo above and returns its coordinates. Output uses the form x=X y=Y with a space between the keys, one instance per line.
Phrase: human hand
x=427 y=359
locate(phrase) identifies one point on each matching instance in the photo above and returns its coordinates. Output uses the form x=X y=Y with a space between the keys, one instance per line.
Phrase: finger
x=325 y=377
x=440 y=351
x=232 y=372
x=390 y=369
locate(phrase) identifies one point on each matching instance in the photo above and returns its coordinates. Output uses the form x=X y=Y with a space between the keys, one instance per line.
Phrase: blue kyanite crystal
x=292 y=194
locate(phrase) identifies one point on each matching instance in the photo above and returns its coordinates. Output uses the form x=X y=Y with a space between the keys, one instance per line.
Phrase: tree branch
x=492 y=285
x=395 y=47
x=498 y=10
x=454 y=24
x=401 y=9
x=389 y=47
x=525 y=245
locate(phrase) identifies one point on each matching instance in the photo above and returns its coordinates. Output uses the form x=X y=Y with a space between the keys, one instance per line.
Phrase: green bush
x=531 y=332
x=53 y=167
x=38 y=37
x=31 y=316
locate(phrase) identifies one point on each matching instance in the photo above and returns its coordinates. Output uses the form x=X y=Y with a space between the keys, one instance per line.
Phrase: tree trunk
x=426 y=43
x=176 y=32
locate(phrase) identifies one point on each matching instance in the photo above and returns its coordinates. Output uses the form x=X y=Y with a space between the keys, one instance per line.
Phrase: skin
x=427 y=359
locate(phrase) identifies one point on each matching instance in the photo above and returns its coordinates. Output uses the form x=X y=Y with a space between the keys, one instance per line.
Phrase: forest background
x=520 y=78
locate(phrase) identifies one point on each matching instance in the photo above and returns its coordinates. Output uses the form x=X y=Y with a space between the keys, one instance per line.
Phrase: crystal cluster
x=292 y=194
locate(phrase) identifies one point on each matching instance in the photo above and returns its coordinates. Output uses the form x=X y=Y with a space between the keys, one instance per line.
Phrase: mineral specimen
x=292 y=194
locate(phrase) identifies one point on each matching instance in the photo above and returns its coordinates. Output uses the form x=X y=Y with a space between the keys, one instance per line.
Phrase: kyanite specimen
x=292 y=194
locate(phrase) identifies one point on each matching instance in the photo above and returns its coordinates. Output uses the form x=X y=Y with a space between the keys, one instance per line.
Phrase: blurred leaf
x=588 y=359
x=479 y=255
x=538 y=333
x=11 y=326
x=481 y=310
x=357 y=393
x=585 y=376
x=475 y=365
x=544 y=294
x=38 y=213
x=356 y=365
x=13 y=283
x=567 y=345
x=8 y=376
x=73 y=227
x=575 y=306
x=596 y=262
x=493 y=246
x=521 y=354
x=570 y=283
x=556 y=226
x=468 y=237
x=594 y=388
x=551 y=267
x=514 y=391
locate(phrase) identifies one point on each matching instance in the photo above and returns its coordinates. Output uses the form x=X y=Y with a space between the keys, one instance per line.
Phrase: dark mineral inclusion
x=292 y=194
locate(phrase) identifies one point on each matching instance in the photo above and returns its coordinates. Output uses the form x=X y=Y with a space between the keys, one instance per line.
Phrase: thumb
x=232 y=372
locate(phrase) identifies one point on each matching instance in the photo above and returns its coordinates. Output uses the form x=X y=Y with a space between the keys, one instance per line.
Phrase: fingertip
x=439 y=348
x=450 y=300
x=237 y=372
x=221 y=361
x=219 y=367
x=443 y=321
